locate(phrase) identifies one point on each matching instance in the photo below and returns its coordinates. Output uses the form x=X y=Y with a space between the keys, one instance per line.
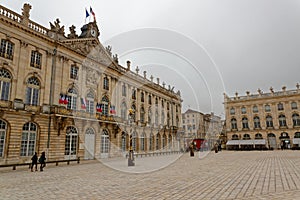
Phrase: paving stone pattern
x=224 y=175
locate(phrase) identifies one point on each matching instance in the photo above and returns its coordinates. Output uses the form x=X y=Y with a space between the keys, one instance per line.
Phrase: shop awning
x=296 y=141
x=246 y=142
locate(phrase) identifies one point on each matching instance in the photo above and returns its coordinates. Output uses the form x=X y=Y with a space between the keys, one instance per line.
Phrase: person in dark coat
x=42 y=161
x=34 y=160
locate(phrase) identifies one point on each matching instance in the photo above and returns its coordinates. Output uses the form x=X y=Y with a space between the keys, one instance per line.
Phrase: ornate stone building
x=69 y=96
x=263 y=120
x=195 y=124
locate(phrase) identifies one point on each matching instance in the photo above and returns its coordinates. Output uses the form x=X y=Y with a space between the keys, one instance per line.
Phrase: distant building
x=195 y=124
x=68 y=95
x=263 y=120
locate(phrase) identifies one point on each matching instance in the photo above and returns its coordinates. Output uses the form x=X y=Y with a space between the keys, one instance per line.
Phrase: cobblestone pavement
x=225 y=175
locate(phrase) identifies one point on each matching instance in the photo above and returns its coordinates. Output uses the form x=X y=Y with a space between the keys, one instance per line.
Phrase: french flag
x=99 y=108
x=61 y=99
x=65 y=99
x=83 y=103
x=92 y=12
x=112 y=110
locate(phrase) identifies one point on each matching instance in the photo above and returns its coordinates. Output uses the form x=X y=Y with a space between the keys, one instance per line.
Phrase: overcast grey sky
x=203 y=48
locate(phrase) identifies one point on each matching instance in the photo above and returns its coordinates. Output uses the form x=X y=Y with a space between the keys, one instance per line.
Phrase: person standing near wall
x=42 y=161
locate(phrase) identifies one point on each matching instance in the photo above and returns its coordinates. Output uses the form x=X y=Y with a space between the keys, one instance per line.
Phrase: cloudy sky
x=200 y=47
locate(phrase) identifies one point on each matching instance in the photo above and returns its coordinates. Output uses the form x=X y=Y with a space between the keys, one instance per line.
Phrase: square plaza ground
x=225 y=175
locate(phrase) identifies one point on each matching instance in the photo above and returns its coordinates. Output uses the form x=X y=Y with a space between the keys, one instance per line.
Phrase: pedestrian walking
x=42 y=160
x=34 y=161
x=216 y=148
x=191 y=150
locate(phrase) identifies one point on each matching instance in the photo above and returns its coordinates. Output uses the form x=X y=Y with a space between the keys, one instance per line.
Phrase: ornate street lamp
x=130 y=153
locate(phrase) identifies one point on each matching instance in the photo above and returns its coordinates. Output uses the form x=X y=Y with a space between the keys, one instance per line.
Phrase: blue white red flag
x=92 y=12
x=83 y=103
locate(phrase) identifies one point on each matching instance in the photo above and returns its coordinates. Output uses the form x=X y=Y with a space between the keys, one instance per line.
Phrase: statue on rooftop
x=72 y=34
x=56 y=27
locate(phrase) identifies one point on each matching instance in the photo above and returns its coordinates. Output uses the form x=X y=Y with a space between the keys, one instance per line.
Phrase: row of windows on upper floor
x=189 y=127
x=247 y=136
x=188 y=121
x=6 y=51
x=267 y=108
x=269 y=122
x=32 y=97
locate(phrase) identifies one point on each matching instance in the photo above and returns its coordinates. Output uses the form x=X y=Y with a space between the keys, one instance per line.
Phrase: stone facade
x=268 y=120
x=69 y=96
x=196 y=124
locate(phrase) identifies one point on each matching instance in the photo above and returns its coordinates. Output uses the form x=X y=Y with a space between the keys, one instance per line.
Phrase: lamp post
x=130 y=153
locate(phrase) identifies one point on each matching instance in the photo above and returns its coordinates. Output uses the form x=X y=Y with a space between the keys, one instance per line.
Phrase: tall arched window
x=3 y=130
x=233 y=124
x=156 y=117
x=71 y=141
x=133 y=95
x=105 y=102
x=123 y=110
x=170 y=141
x=151 y=140
x=157 y=141
x=72 y=98
x=162 y=117
x=142 y=115
x=90 y=98
x=149 y=99
x=168 y=119
x=28 y=141
x=134 y=137
x=256 y=122
x=296 y=119
x=124 y=90
x=5 y=82
x=164 y=140
x=132 y=114
x=245 y=123
x=104 y=142
x=149 y=115
x=269 y=121
x=32 y=91
x=142 y=97
x=282 y=120
x=123 y=142
x=142 y=141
